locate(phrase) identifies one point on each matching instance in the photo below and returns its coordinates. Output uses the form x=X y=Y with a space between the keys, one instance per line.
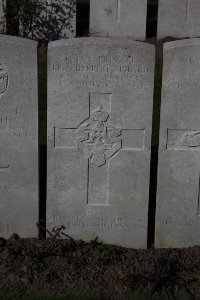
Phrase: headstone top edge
x=100 y=41
x=18 y=40
x=182 y=43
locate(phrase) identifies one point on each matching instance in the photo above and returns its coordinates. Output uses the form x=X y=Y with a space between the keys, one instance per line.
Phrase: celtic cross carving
x=97 y=139
x=191 y=139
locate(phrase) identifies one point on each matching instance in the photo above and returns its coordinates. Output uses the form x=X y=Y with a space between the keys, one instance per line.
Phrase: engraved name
x=101 y=68
x=103 y=71
x=10 y=124
x=101 y=59
x=189 y=60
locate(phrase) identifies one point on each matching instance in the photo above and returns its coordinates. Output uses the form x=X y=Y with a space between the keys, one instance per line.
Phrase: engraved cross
x=98 y=140
x=118 y=10
x=187 y=140
x=4 y=167
x=187 y=11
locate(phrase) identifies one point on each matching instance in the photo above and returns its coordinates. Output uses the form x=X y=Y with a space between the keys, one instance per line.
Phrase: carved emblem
x=3 y=79
x=97 y=139
x=191 y=139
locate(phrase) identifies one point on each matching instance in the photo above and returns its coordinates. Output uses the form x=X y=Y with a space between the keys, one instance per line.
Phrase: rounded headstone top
x=182 y=43
x=100 y=41
x=17 y=40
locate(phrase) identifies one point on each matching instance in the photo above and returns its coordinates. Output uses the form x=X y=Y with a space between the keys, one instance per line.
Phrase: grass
x=42 y=297
x=108 y=256
x=80 y=296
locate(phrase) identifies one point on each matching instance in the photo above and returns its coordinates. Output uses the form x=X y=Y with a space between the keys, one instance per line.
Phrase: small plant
x=109 y=255
x=166 y=277
x=94 y=33
x=42 y=20
x=165 y=281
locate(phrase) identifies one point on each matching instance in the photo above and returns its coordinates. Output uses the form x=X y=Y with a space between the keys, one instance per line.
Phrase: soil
x=56 y=266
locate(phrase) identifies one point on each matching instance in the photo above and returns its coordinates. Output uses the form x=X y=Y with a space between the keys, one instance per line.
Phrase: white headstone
x=18 y=137
x=178 y=196
x=118 y=18
x=178 y=18
x=100 y=94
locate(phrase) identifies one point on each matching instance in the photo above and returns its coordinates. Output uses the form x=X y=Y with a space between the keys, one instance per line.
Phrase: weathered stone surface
x=118 y=18
x=2 y=18
x=99 y=134
x=178 y=18
x=18 y=137
x=178 y=202
x=57 y=20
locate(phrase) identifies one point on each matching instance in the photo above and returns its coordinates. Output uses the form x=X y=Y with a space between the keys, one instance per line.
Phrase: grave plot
x=118 y=18
x=178 y=202
x=18 y=137
x=178 y=18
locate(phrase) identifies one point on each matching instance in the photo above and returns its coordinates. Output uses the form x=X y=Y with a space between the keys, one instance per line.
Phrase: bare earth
x=57 y=266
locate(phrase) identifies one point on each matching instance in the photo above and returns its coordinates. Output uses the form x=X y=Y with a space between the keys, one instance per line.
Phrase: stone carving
x=191 y=139
x=118 y=18
x=97 y=139
x=187 y=11
x=3 y=79
x=178 y=18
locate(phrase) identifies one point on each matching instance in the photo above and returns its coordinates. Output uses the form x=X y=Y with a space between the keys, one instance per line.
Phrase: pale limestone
x=100 y=96
x=178 y=18
x=178 y=202
x=18 y=137
x=118 y=18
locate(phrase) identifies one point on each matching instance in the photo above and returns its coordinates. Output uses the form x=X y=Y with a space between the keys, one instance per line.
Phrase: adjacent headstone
x=2 y=18
x=18 y=137
x=100 y=94
x=178 y=196
x=178 y=18
x=54 y=20
x=118 y=18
